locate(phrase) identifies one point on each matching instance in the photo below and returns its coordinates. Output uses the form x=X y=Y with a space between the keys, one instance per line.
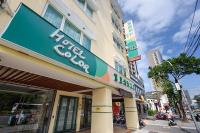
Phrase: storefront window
x=118 y=114
x=24 y=110
x=53 y=16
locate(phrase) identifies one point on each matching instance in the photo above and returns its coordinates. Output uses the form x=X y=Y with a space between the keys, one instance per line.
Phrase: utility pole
x=178 y=87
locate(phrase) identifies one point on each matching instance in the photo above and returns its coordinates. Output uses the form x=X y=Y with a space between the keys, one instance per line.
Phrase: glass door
x=66 y=117
x=86 y=113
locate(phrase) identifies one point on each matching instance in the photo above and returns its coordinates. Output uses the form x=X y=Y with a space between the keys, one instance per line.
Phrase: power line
x=191 y=44
x=197 y=45
x=191 y=25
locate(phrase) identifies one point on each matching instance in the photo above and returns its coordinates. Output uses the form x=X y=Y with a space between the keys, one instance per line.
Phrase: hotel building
x=62 y=64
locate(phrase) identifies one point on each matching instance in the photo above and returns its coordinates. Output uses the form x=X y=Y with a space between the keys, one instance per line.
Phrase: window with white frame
x=119 y=68
x=85 y=7
x=53 y=16
x=72 y=31
x=81 y=3
x=118 y=44
x=56 y=18
x=86 y=42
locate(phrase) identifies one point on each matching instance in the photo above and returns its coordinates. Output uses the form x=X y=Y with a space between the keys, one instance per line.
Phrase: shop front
x=24 y=108
x=53 y=84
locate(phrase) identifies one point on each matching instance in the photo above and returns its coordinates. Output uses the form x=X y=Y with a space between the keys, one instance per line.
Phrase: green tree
x=182 y=66
x=197 y=97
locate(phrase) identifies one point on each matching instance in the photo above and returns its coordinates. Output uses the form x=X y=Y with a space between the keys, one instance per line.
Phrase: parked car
x=161 y=116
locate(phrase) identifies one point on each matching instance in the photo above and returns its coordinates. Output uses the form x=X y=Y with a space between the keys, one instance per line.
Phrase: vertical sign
x=131 y=41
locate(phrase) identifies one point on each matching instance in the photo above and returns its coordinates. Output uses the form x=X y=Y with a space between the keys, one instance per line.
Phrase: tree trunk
x=184 y=118
x=183 y=111
x=178 y=109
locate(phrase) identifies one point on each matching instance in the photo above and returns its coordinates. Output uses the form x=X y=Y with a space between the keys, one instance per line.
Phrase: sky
x=163 y=25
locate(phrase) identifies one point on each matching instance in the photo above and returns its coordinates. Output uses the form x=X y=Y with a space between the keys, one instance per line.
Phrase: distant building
x=195 y=105
x=152 y=100
x=155 y=58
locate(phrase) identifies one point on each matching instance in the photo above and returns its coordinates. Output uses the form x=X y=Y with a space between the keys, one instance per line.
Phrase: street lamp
x=178 y=87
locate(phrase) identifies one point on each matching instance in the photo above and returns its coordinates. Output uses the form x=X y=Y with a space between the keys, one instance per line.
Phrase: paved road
x=162 y=127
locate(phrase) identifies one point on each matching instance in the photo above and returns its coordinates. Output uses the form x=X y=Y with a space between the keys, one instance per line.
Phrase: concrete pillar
x=78 y=118
x=102 y=117
x=131 y=113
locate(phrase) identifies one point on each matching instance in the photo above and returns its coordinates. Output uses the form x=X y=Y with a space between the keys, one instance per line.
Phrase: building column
x=131 y=113
x=102 y=116
x=78 y=118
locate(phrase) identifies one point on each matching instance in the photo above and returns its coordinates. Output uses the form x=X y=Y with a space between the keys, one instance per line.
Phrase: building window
x=81 y=3
x=85 y=7
x=119 y=68
x=118 y=44
x=89 y=11
x=86 y=42
x=72 y=31
x=124 y=72
x=53 y=16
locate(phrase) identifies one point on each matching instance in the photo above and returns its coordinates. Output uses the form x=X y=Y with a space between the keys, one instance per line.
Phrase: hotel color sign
x=37 y=37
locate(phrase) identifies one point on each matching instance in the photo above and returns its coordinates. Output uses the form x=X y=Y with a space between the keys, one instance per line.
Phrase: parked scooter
x=171 y=119
x=172 y=122
x=141 y=123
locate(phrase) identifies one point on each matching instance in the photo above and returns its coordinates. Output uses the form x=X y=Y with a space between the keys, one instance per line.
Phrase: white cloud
x=154 y=16
x=151 y=18
x=169 y=51
x=181 y=35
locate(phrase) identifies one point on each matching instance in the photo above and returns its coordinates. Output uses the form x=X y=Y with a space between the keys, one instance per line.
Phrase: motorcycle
x=172 y=122
x=141 y=123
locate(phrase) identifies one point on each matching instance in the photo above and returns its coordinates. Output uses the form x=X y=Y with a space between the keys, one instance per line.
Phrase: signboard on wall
x=131 y=42
x=30 y=33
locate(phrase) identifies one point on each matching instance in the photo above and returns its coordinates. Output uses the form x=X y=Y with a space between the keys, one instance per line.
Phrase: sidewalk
x=161 y=126
x=116 y=130
x=188 y=124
